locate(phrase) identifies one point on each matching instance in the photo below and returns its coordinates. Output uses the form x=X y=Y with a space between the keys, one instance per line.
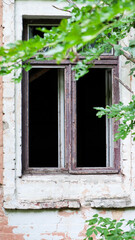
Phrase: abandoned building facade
x=59 y=164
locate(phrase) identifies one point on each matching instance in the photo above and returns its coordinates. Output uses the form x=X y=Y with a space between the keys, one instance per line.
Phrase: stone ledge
x=47 y=204
x=110 y=203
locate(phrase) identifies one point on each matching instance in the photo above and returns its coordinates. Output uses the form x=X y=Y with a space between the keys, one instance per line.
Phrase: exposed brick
x=10 y=236
x=51 y=224
x=6 y=232
x=1 y=176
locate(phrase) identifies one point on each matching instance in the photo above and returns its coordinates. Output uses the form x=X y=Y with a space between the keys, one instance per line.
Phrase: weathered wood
x=25 y=121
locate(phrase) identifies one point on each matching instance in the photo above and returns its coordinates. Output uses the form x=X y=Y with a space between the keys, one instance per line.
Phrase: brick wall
x=6 y=231
x=1 y=135
x=52 y=224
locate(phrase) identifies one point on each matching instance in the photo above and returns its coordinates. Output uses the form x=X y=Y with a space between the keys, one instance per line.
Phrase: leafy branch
x=108 y=229
x=86 y=31
x=121 y=112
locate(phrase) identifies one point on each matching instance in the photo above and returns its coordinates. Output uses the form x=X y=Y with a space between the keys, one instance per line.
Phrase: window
x=93 y=149
x=92 y=90
x=60 y=131
x=43 y=117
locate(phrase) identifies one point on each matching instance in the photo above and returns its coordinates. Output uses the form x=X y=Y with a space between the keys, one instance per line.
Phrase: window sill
x=67 y=191
x=47 y=204
x=96 y=170
x=80 y=171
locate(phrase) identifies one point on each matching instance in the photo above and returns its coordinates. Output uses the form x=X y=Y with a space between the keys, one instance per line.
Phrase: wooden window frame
x=25 y=118
x=105 y=62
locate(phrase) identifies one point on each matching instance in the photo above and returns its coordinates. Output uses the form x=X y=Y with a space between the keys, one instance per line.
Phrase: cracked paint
x=48 y=192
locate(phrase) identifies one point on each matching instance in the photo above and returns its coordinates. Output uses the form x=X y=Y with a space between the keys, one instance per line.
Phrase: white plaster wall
x=8 y=106
x=59 y=225
x=110 y=190
x=37 y=192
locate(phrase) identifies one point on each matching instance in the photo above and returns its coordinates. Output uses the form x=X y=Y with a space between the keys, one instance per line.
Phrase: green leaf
x=119 y=224
x=132 y=43
x=27 y=67
x=93 y=221
x=89 y=232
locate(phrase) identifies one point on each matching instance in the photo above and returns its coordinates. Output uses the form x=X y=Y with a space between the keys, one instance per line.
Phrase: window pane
x=33 y=27
x=90 y=46
x=33 y=31
x=43 y=117
x=91 y=131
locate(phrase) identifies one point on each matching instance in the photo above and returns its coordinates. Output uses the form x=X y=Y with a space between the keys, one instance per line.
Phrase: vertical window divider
x=109 y=132
x=115 y=100
x=74 y=123
x=25 y=121
x=68 y=117
x=61 y=115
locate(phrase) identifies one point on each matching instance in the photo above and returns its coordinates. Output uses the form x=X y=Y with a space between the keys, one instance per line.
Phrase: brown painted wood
x=25 y=121
x=79 y=171
x=115 y=99
x=67 y=116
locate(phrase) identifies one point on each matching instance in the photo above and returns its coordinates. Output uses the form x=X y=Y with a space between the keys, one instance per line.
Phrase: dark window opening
x=91 y=131
x=34 y=31
x=43 y=117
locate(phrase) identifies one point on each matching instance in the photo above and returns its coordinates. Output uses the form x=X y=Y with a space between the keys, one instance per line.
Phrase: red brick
x=11 y=236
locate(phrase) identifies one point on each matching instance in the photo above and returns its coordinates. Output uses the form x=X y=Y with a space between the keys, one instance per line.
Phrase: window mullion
x=109 y=132
x=61 y=144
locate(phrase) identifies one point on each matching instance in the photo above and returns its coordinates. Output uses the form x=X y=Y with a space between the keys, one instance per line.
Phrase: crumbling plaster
x=58 y=224
x=110 y=190
x=87 y=193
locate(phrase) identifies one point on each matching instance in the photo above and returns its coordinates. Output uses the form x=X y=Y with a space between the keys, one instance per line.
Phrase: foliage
x=121 y=112
x=108 y=229
x=92 y=29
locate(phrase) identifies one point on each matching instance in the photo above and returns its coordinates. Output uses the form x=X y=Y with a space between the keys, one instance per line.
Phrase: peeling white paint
x=24 y=192
x=38 y=225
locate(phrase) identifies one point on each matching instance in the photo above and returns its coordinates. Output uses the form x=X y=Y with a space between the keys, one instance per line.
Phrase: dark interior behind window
x=43 y=117
x=91 y=131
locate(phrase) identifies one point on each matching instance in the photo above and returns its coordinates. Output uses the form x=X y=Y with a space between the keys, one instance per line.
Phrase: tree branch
x=61 y=9
x=71 y=2
x=128 y=88
x=125 y=54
